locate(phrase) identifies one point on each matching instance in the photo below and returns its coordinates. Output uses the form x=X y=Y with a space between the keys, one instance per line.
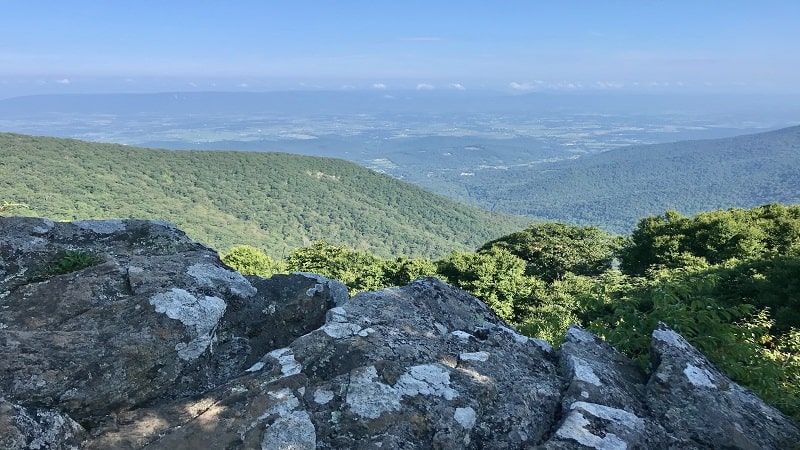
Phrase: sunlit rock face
x=156 y=344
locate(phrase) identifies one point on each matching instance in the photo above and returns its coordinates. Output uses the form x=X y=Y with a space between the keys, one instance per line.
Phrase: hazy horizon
x=578 y=46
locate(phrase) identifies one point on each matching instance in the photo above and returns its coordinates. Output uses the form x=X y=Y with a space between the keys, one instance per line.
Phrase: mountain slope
x=615 y=188
x=274 y=200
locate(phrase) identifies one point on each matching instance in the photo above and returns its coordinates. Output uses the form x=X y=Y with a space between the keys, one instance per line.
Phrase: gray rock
x=161 y=346
x=699 y=405
x=160 y=317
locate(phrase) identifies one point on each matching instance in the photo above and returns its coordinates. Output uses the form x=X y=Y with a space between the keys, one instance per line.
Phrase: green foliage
x=401 y=271
x=274 y=201
x=68 y=261
x=553 y=307
x=359 y=270
x=9 y=206
x=496 y=276
x=252 y=261
x=673 y=240
x=551 y=250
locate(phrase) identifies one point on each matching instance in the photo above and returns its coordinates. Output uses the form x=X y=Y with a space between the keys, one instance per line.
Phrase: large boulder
x=127 y=334
x=153 y=316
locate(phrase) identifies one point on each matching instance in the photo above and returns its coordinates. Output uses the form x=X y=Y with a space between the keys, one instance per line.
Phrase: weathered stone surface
x=697 y=404
x=33 y=428
x=160 y=317
x=160 y=346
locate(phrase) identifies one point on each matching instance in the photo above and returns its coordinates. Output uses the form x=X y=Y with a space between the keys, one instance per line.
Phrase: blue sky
x=691 y=46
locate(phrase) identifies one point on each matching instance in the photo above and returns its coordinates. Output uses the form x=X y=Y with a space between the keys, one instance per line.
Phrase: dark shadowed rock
x=156 y=344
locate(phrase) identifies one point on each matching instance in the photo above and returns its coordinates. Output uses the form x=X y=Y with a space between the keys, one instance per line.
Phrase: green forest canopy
x=614 y=189
x=275 y=201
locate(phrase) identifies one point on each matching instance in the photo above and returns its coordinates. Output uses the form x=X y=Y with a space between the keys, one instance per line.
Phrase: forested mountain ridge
x=614 y=189
x=273 y=200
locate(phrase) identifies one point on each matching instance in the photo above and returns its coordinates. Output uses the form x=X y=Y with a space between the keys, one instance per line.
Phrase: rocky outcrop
x=156 y=344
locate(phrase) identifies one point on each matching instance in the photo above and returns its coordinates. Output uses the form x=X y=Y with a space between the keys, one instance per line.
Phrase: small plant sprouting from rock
x=69 y=261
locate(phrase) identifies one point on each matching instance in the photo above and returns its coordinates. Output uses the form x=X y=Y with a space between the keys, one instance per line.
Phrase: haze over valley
x=475 y=147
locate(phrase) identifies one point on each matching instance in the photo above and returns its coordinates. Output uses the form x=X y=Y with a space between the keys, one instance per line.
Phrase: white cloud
x=566 y=85
x=192 y=84
x=609 y=84
x=63 y=81
x=526 y=86
x=378 y=86
x=458 y=86
x=244 y=85
x=424 y=87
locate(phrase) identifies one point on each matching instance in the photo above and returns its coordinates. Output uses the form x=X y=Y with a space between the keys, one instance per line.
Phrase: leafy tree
x=673 y=240
x=551 y=250
x=496 y=276
x=401 y=271
x=252 y=261
x=359 y=270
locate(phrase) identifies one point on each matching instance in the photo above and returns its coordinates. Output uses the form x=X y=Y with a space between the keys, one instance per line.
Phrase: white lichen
x=338 y=290
x=284 y=402
x=619 y=416
x=370 y=398
x=583 y=371
x=338 y=330
x=323 y=396
x=465 y=417
x=576 y=334
x=699 y=377
x=426 y=379
x=670 y=337
x=294 y=431
x=474 y=356
x=285 y=357
x=256 y=367
x=575 y=428
x=199 y=314
x=463 y=335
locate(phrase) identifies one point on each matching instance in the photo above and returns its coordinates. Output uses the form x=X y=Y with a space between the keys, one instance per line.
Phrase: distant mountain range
x=276 y=201
x=614 y=189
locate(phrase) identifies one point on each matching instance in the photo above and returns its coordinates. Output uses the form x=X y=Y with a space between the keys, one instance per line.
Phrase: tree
x=249 y=260
x=496 y=276
x=551 y=250
x=359 y=270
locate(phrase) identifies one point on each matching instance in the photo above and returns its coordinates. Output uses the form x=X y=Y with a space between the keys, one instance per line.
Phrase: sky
x=515 y=46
